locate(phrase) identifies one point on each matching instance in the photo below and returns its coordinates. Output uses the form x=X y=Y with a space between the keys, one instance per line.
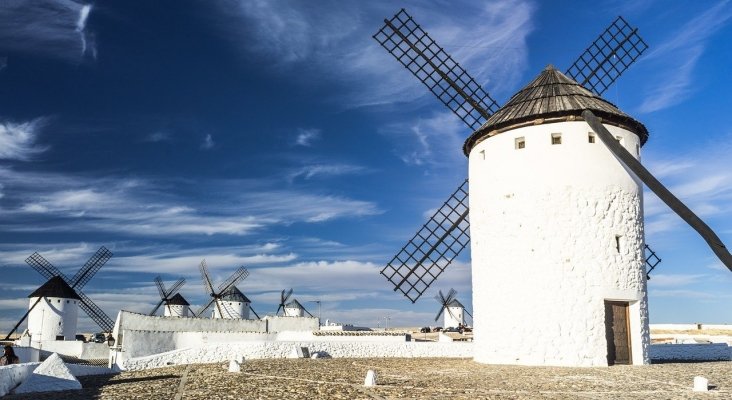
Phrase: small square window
x=482 y=154
x=637 y=149
x=619 y=139
x=591 y=138
x=520 y=143
x=617 y=243
x=556 y=138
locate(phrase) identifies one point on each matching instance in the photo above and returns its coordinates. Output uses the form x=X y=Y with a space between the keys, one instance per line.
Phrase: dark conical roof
x=234 y=294
x=55 y=287
x=552 y=97
x=177 y=300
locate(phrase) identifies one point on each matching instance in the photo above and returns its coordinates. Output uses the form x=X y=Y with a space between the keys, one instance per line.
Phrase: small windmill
x=284 y=297
x=61 y=287
x=552 y=210
x=166 y=295
x=217 y=295
x=295 y=309
x=452 y=309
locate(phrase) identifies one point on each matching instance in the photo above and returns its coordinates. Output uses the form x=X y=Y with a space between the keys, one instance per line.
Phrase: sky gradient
x=280 y=136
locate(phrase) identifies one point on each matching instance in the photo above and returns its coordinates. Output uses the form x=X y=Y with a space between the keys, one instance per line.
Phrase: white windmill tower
x=556 y=220
x=54 y=307
x=291 y=308
x=230 y=302
x=57 y=311
x=454 y=311
x=177 y=306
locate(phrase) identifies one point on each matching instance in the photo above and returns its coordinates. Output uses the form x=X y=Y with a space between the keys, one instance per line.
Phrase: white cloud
x=17 y=140
x=137 y=207
x=678 y=56
x=3 y=63
x=306 y=137
x=51 y=28
x=208 y=142
x=326 y=170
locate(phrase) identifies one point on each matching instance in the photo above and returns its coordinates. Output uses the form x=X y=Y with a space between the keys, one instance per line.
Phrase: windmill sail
x=404 y=39
x=608 y=57
x=432 y=248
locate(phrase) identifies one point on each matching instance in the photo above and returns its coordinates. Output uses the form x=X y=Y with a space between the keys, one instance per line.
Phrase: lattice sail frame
x=652 y=261
x=444 y=77
x=437 y=244
x=608 y=56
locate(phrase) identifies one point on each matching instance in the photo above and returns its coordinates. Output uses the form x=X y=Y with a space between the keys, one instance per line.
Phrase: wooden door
x=617 y=332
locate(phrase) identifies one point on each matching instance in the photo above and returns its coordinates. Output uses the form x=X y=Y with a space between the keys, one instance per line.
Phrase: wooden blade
x=157 y=307
x=714 y=242
x=161 y=288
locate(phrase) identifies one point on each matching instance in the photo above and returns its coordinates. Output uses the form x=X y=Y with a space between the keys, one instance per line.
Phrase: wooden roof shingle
x=552 y=97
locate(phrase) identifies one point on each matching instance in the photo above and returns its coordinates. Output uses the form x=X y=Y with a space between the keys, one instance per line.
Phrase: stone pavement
x=431 y=378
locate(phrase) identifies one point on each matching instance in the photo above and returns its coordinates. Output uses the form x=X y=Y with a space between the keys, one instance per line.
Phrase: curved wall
x=556 y=230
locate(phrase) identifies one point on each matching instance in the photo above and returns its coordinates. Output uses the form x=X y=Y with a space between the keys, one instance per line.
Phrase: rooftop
x=552 y=97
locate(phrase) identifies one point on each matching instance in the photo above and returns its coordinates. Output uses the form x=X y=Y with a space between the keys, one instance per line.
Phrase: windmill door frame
x=617 y=332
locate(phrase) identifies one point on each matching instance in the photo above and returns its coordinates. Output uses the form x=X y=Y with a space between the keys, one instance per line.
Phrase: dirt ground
x=399 y=378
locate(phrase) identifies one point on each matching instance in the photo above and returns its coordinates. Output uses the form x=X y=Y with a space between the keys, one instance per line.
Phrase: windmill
x=452 y=308
x=166 y=295
x=538 y=182
x=58 y=319
x=284 y=297
x=217 y=296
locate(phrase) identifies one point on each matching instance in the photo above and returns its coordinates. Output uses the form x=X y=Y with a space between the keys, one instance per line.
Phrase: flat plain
x=399 y=378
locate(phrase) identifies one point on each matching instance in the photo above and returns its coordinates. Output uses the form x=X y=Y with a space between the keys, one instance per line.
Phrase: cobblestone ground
x=402 y=378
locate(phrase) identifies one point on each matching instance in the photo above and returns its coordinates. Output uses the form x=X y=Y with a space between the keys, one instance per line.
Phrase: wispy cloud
x=208 y=142
x=326 y=171
x=59 y=202
x=678 y=56
x=159 y=136
x=49 y=28
x=701 y=178
x=3 y=63
x=424 y=141
x=489 y=39
x=17 y=140
x=306 y=137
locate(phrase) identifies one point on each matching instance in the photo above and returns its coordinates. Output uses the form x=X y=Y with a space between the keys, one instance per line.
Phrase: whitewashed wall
x=53 y=316
x=453 y=317
x=543 y=223
x=220 y=353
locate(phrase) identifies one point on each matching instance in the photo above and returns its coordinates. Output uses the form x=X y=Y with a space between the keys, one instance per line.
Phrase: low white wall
x=692 y=327
x=12 y=375
x=691 y=352
x=338 y=336
x=221 y=353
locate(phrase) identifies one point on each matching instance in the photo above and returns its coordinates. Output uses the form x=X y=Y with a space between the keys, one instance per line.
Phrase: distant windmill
x=556 y=221
x=57 y=317
x=295 y=309
x=284 y=297
x=218 y=295
x=166 y=295
x=452 y=308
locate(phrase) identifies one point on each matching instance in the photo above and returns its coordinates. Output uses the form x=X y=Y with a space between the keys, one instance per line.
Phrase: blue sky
x=281 y=137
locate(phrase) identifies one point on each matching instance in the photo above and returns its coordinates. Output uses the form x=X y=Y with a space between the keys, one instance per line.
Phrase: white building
x=56 y=314
x=294 y=309
x=233 y=305
x=556 y=227
x=454 y=314
x=177 y=306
